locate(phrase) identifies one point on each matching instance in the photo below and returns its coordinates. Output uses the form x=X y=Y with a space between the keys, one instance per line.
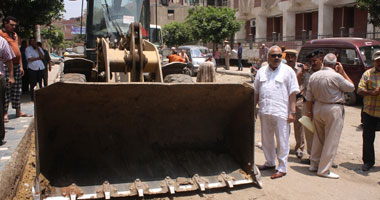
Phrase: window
x=171 y=15
x=367 y=54
x=305 y=52
x=348 y=57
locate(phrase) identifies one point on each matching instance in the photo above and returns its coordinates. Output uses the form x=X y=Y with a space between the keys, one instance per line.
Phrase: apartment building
x=177 y=10
x=289 y=20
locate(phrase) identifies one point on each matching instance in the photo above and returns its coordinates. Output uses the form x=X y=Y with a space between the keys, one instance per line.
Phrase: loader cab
x=109 y=18
x=155 y=35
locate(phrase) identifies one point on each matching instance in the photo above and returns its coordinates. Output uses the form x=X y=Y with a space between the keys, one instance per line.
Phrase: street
x=299 y=183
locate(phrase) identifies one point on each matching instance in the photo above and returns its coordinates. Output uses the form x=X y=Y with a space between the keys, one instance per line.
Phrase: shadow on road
x=356 y=167
x=303 y=170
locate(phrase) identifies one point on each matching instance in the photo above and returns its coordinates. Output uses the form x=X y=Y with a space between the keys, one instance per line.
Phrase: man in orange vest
x=14 y=92
x=174 y=57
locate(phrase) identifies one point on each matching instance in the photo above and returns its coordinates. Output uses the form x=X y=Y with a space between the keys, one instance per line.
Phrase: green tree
x=79 y=38
x=54 y=36
x=211 y=24
x=373 y=8
x=32 y=12
x=175 y=34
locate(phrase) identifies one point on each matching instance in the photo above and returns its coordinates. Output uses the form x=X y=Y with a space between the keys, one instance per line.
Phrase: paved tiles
x=16 y=127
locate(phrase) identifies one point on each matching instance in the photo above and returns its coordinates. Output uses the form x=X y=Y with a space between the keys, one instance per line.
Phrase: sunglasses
x=276 y=55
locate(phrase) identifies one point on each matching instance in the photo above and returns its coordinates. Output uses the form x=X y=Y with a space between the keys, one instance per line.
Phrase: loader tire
x=178 y=78
x=73 y=77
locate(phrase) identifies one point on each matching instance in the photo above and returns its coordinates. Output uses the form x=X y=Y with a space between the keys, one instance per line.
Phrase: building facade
x=177 y=10
x=292 y=20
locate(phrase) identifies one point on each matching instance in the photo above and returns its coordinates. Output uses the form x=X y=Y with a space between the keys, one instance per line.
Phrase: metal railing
x=298 y=41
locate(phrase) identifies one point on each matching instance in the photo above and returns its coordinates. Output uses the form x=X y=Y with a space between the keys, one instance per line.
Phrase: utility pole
x=156 y=24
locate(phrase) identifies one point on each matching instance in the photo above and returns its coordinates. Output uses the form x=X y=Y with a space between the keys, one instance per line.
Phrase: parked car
x=355 y=54
x=56 y=59
x=197 y=55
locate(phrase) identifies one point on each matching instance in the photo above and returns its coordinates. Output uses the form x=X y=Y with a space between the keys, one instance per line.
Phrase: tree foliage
x=373 y=8
x=54 y=36
x=211 y=24
x=175 y=34
x=79 y=38
x=32 y=12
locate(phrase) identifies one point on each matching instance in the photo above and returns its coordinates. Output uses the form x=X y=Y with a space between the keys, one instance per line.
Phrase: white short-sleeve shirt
x=36 y=65
x=274 y=88
x=6 y=53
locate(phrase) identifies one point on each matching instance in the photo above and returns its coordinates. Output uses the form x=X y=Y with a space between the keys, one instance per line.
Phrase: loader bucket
x=105 y=140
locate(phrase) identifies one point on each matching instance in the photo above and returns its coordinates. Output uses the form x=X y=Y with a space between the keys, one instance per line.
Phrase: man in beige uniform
x=303 y=76
x=291 y=57
x=227 y=54
x=326 y=89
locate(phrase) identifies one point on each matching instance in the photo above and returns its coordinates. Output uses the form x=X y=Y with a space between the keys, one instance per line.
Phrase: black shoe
x=366 y=167
x=2 y=142
x=305 y=161
x=334 y=165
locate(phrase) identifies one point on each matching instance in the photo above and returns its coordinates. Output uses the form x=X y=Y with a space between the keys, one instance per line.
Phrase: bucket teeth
x=200 y=183
x=227 y=179
x=36 y=190
x=169 y=183
x=139 y=188
x=73 y=196
x=36 y=195
x=107 y=190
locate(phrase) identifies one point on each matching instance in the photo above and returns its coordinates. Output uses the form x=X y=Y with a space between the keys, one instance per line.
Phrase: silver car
x=197 y=55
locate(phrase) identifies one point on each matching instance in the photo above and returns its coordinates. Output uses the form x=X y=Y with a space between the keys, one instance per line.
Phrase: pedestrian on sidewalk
x=216 y=56
x=240 y=55
x=263 y=53
x=47 y=64
x=325 y=104
x=369 y=87
x=25 y=78
x=35 y=56
x=276 y=87
x=6 y=56
x=14 y=92
x=227 y=54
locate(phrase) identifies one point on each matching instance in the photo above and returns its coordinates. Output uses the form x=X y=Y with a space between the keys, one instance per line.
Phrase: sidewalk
x=233 y=71
x=16 y=128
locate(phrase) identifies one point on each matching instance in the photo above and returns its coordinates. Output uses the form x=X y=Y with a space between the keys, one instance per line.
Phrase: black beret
x=314 y=53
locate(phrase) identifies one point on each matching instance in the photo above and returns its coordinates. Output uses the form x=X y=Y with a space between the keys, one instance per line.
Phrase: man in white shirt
x=276 y=87
x=34 y=55
x=6 y=54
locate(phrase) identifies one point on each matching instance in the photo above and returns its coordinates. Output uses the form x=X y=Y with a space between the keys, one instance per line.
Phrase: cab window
x=348 y=57
x=367 y=53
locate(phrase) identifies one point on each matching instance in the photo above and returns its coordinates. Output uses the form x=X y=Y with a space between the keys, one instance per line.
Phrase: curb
x=12 y=172
x=60 y=71
x=233 y=73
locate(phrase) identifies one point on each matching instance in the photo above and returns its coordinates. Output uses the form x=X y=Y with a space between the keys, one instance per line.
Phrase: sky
x=73 y=8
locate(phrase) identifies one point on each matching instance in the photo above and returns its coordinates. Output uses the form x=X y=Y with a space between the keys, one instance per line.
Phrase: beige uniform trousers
x=298 y=128
x=308 y=135
x=227 y=61
x=328 y=121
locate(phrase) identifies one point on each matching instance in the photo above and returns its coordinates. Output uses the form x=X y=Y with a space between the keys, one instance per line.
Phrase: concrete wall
x=180 y=13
